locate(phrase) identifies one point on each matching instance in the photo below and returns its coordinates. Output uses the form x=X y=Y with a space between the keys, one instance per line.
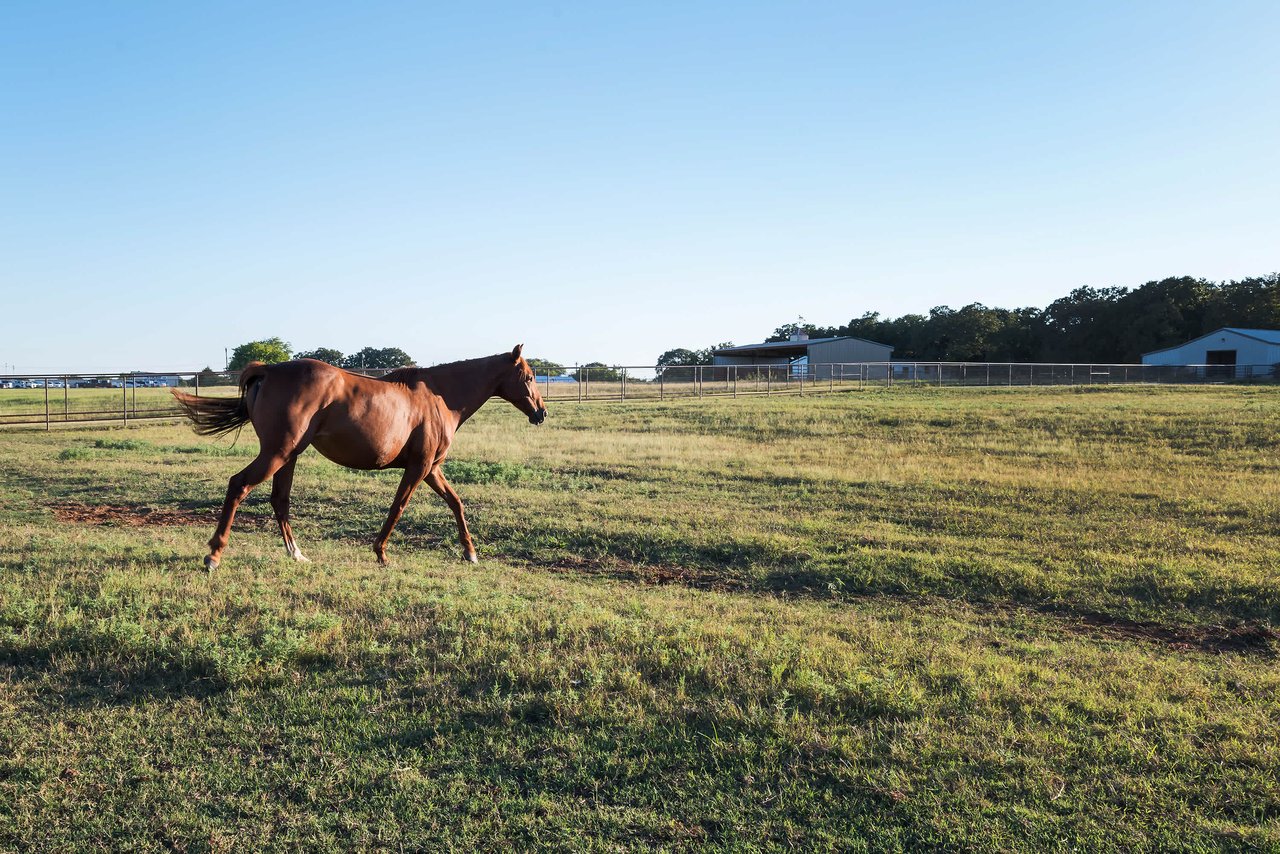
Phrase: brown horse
x=403 y=420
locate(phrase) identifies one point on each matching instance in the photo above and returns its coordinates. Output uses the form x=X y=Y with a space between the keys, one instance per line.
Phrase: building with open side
x=813 y=355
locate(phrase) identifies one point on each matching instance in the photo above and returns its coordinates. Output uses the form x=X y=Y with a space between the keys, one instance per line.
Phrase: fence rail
x=66 y=398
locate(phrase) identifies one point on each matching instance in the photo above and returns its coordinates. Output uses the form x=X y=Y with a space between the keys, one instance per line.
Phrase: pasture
x=996 y=619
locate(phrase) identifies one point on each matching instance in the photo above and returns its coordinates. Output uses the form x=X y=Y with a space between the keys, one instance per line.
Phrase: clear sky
x=604 y=181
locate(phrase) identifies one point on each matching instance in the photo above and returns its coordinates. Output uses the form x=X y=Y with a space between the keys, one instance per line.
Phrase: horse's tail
x=218 y=416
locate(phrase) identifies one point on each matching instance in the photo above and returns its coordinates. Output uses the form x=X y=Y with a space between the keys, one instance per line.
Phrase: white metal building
x=803 y=350
x=1234 y=352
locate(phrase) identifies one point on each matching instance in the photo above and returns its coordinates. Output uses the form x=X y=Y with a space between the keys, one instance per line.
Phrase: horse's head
x=519 y=388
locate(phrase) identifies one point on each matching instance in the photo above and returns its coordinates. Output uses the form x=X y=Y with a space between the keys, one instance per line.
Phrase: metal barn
x=1229 y=352
x=803 y=350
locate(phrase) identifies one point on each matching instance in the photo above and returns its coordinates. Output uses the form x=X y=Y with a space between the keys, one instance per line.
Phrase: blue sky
x=607 y=181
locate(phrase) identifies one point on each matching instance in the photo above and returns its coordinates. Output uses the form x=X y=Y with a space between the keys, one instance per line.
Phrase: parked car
x=6 y=383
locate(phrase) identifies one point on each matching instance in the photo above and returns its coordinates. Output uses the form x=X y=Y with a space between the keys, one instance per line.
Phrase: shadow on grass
x=77 y=678
x=1241 y=637
x=708 y=777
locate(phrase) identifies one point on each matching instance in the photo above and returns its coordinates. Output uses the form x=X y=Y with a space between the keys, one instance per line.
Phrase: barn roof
x=786 y=348
x=1266 y=336
x=1271 y=336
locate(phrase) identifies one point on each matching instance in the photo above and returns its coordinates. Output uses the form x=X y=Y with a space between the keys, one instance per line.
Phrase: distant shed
x=1232 y=351
x=801 y=349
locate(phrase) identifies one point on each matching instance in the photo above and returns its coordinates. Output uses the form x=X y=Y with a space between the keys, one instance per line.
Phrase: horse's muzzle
x=539 y=416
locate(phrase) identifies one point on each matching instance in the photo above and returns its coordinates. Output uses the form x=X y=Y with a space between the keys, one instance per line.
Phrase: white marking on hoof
x=471 y=558
x=296 y=554
x=210 y=564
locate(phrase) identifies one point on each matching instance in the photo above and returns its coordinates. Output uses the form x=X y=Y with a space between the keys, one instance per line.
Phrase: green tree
x=271 y=350
x=679 y=357
x=543 y=368
x=321 y=354
x=1252 y=303
x=383 y=358
x=786 y=330
x=683 y=357
x=597 y=372
x=208 y=377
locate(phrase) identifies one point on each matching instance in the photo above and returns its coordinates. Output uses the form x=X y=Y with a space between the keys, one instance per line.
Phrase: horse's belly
x=356 y=455
x=358 y=451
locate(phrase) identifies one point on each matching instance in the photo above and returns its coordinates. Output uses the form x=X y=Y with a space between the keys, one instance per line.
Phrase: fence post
x=124 y=400
x=734 y=368
x=662 y=388
x=622 y=392
x=46 y=402
x=66 y=398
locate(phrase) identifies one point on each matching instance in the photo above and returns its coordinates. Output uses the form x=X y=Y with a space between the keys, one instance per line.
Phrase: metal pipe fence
x=69 y=398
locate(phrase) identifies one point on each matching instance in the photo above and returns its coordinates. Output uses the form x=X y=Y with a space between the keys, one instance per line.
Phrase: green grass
x=903 y=619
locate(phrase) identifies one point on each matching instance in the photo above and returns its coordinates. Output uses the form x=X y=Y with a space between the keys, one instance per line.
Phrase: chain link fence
x=67 y=398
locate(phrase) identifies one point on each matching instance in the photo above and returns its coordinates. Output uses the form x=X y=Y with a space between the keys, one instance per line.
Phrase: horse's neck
x=464 y=387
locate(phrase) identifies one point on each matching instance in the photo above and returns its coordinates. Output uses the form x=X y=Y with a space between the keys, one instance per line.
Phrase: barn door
x=1222 y=363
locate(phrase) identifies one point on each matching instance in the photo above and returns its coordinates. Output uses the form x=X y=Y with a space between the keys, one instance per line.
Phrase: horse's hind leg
x=281 y=485
x=238 y=488
x=437 y=482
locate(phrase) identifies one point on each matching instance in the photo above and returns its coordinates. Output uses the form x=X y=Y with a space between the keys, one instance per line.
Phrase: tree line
x=1105 y=325
x=273 y=350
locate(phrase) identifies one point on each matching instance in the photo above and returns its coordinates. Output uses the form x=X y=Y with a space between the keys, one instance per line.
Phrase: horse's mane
x=415 y=374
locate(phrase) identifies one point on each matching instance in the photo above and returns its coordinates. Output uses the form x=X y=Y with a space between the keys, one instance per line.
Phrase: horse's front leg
x=412 y=477
x=435 y=479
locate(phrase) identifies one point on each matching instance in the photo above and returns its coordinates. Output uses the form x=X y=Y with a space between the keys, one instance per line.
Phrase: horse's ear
x=515 y=354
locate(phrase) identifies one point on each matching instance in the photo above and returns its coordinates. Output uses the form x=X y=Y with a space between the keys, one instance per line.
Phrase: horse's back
x=356 y=421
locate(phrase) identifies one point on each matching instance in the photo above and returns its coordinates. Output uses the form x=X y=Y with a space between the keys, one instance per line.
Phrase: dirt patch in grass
x=142 y=516
x=635 y=573
x=1245 y=639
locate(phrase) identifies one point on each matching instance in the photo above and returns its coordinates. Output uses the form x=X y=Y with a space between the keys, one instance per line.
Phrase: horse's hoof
x=471 y=558
x=210 y=564
x=297 y=555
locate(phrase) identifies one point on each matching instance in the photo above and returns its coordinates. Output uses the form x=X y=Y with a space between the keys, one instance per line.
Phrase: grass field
x=1023 y=619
